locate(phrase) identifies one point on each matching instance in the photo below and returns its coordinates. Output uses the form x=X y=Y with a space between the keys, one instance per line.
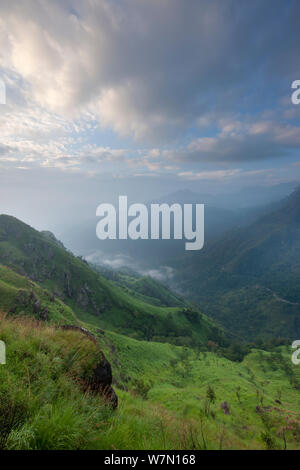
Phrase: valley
x=182 y=381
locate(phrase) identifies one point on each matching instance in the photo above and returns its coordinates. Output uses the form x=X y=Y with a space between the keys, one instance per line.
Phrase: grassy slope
x=177 y=379
x=12 y=284
x=140 y=317
x=142 y=287
x=162 y=390
x=91 y=297
x=41 y=407
x=172 y=379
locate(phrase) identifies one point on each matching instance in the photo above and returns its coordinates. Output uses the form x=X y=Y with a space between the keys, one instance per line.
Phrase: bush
x=142 y=388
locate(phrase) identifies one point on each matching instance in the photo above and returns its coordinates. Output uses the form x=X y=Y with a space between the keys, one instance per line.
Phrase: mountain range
x=249 y=279
x=179 y=377
x=222 y=213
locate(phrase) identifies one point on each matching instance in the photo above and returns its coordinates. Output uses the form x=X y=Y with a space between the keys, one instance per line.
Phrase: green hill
x=171 y=396
x=144 y=287
x=249 y=279
x=89 y=297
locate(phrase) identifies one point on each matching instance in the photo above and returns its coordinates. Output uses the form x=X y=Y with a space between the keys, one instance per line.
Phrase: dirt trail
x=280 y=299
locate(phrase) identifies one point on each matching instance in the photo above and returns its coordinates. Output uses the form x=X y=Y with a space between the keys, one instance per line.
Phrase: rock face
x=101 y=381
x=101 y=378
x=225 y=407
x=25 y=299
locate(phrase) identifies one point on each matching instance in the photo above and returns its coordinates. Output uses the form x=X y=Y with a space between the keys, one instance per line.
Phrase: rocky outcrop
x=86 y=300
x=44 y=314
x=83 y=298
x=100 y=379
x=67 y=283
x=29 y=299
x=225 y=407
x=81 y=330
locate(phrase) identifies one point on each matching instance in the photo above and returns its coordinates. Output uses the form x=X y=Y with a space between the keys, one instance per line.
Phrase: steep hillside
x=21 y=296
x=70 y=280
x=170 y=396
x=144 y=287
x=249 y=280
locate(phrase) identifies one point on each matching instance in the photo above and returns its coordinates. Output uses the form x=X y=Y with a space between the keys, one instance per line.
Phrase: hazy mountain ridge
x=262 y=258
x=223 y=212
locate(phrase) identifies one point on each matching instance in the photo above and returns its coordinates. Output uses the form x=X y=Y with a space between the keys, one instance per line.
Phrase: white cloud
x=209 y=175
x=221 y=175
x=162 y=274
x=145 y=69
x=149 y=70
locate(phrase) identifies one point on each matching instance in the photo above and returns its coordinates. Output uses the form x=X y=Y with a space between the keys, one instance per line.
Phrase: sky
x=139 y=97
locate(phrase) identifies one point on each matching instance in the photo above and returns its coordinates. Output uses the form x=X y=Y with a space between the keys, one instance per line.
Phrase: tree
x=210 y=394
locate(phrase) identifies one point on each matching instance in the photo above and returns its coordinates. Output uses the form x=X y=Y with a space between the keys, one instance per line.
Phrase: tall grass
x=42 y=403
x=44 y=406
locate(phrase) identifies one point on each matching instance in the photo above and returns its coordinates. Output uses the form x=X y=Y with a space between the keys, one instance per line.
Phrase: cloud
x=204 y=90
x=117 y=261
x=113 y=261
x=209 y=175
x=221 y=175
x=3 y=149
x=162 y=274
x=149 y=69
x=240 y=141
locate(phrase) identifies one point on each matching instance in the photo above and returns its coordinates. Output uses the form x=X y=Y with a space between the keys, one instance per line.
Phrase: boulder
x=225 y=407
x=36 y=306
x=100 y=379
x=44 y=314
